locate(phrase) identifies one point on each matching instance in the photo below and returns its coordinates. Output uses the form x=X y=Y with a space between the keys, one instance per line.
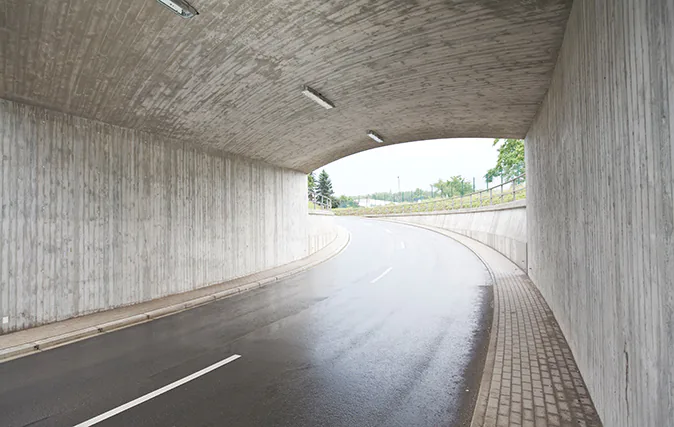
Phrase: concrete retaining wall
x=500 y=227
x=600 y=205
x=95 y=216
x=321 y=228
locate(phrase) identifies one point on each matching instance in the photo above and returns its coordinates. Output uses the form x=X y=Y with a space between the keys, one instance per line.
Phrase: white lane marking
x=402 y=245
x=388 y=231
x=151 y=395
x=382 y=275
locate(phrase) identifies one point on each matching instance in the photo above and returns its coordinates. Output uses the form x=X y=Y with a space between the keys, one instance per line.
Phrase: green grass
x=437 y=204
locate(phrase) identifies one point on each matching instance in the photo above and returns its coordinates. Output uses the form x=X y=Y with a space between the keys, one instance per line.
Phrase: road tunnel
x=145 y=153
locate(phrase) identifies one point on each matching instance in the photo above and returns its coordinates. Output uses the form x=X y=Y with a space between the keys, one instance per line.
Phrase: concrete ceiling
x=230 y=79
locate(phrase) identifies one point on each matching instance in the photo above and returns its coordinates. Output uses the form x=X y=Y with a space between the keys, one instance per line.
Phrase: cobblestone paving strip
x=530 y=377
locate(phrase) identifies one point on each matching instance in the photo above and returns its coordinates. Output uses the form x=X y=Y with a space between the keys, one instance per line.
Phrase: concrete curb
x=69 y=337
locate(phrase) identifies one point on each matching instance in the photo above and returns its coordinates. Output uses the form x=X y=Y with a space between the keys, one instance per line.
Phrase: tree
x=311 y=184
x=444 y=188
x=346 y=202
x=325 y=187
x=460 y=185
x=510 y=163
x=456 y=185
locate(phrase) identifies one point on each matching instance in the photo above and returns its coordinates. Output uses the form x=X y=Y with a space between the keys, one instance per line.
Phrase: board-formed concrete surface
x=95 y=216
x=231 y=78
x=599 y=151
x=46 y=337
x=600 y=207
x=501 y=227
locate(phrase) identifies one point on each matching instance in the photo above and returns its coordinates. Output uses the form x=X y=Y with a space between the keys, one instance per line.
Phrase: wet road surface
x=388 y=333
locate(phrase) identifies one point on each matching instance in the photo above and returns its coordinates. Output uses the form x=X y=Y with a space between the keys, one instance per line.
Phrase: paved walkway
x=530 y=377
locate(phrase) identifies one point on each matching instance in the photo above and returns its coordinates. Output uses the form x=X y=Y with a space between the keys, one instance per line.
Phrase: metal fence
x=318 y=201
x=515 y=189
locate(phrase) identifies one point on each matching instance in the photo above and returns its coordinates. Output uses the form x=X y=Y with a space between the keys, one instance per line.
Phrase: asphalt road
x=391 y=332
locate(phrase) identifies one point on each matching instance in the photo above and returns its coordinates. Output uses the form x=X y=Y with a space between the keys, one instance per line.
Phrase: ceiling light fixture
x=317 y=98
x=179 y=7
x=374 y=135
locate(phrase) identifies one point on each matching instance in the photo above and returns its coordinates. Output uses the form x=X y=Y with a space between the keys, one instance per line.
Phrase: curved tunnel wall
x=600 y=205
x=503 y=227
x=231 y=78
x=95 y=216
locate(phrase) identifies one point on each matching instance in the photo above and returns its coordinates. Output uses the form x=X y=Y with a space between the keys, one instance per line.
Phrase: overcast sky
x=419 y=164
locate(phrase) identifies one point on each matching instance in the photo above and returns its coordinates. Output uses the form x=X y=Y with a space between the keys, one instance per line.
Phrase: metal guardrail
x=319 y=201
x=515 y=189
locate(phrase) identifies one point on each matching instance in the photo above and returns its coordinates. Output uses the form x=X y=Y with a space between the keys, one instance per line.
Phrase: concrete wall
x=95 y=216
x=600 y=208
x=231 y=78
x=503 y=228
x=322 y=229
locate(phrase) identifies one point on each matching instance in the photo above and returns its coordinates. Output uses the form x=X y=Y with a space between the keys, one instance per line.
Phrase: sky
x=418 y=164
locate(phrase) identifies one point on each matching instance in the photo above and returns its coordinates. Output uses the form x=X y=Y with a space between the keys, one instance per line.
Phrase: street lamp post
x=400 y=195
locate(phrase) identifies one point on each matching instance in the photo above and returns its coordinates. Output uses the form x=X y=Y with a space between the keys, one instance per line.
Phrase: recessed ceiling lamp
x=375 y=136
x=317 y=98
x=180 y=7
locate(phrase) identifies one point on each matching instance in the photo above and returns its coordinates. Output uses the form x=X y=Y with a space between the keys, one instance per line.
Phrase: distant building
x=370 y=203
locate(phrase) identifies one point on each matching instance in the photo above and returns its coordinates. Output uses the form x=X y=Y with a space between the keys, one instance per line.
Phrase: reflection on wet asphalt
x=381 y=335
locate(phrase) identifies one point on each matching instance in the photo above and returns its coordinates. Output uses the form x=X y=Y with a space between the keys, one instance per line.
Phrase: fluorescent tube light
x=372 y=134
x=179 y=7
x=317 y=98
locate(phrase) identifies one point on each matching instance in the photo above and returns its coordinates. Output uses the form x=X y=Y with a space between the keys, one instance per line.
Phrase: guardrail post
x=490 y=201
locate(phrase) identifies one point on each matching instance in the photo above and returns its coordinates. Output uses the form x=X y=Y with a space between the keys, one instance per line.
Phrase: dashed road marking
x=152 y=395
x=388 y=270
